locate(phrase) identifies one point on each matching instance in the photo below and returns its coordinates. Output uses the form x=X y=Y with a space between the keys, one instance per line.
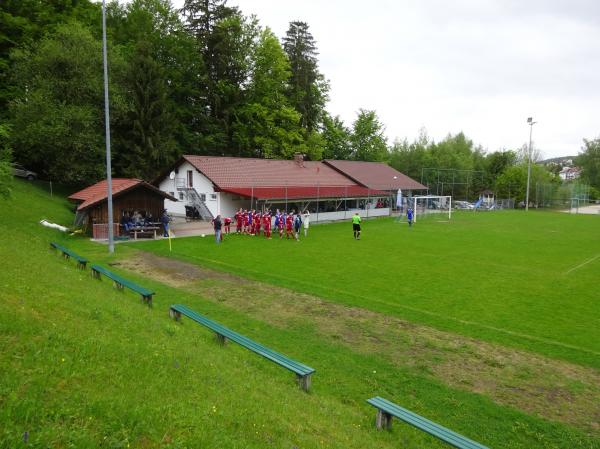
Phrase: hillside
x=83 y=365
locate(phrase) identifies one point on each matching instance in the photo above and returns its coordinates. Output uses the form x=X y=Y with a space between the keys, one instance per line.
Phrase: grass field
x=505 y=277
x=83 y=365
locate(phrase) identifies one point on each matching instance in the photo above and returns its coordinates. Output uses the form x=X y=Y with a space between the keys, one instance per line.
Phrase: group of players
x=253 y=222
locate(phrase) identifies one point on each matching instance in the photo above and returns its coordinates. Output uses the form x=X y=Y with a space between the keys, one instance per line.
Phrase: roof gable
x=98 y=192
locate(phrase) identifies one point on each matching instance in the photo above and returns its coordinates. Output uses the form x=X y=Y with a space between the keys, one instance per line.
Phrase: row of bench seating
x=385 y=409
x=118 y=281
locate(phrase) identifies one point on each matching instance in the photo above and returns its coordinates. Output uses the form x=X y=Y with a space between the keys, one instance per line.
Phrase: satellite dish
x=172 y=175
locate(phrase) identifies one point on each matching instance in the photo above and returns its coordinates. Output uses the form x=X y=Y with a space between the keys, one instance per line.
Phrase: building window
x=180 y=196
x=213 y=197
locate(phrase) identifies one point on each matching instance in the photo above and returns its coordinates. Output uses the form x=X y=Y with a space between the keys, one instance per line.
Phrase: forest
x=206 y=79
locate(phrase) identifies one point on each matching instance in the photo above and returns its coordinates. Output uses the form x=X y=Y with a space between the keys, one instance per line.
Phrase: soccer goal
x=432 y=206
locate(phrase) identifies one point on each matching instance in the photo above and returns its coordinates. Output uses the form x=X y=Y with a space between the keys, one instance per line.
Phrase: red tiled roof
x=271 y=193
x=98 y=192
x=375 y=175
x=230 y=172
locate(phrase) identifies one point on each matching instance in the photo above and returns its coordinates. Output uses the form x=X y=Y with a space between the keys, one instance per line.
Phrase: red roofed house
x=211 y=185
x=129 y=195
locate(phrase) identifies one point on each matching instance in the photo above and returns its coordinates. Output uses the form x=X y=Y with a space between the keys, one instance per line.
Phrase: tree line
x=206 y=79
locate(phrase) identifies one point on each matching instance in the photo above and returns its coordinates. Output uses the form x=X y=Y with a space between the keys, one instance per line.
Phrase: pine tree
x=308 y=88
x=225 y=38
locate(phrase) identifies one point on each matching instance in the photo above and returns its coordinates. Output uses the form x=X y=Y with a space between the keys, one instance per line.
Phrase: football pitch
x=528 y=281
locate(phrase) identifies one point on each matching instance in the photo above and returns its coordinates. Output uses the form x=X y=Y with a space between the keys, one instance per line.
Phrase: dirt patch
x=550 y=388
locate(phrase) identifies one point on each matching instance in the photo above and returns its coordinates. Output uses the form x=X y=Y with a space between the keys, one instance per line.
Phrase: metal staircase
x=195 y=201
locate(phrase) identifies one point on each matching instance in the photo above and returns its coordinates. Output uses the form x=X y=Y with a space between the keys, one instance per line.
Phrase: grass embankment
x=83 y=365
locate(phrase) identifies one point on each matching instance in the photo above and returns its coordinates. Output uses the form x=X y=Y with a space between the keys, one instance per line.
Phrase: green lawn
x=504 y=276
x=85 y=366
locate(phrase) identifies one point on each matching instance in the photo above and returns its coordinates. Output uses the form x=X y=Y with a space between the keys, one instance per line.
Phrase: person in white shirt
x=306 y=222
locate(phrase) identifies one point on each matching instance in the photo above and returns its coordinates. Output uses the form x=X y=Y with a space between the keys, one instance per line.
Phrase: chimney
x=299 y=159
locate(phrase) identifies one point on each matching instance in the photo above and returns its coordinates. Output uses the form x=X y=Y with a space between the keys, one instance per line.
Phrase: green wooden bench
x=223 y=334
x=121 y=282
x=67 y=253
x=386 y=410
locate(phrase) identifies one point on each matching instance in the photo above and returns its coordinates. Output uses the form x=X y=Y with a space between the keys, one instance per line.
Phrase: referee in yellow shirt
x=356 y=225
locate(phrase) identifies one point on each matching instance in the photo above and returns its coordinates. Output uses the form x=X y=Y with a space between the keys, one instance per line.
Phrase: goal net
x=432 y=206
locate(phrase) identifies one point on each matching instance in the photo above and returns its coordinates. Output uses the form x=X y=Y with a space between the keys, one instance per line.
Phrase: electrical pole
x=111 y=243
x=531 y=123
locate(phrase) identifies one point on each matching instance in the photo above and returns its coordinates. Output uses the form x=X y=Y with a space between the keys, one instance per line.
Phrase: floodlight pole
x=111 y=243
x=531 y=123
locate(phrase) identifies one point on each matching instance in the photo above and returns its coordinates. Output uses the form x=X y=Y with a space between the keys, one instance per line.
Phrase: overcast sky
x=477 y=66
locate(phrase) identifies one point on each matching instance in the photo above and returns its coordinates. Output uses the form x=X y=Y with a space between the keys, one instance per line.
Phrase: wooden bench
x=67 y=253
x=223 y=334
x=121 y=282
x=386 y=410
x=144 y=230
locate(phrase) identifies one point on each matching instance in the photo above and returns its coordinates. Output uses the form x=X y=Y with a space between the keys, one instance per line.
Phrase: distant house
x=209 y=185
x=569 y=173
x=129 y=195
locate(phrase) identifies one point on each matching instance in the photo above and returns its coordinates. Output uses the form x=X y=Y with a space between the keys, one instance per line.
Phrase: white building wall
x=200 y=183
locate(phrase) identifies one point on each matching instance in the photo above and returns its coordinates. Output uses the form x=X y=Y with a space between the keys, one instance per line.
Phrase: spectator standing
x=165 y=219
x=217 y=225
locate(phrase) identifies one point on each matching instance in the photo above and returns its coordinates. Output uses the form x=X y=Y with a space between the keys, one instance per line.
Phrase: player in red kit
x=227 y=224
x=289 y=221
x=238 y=221
x=257 y=219
x=267 y=224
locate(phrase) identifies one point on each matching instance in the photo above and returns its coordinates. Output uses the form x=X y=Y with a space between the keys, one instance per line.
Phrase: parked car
x=22 y=172
x=465 y=205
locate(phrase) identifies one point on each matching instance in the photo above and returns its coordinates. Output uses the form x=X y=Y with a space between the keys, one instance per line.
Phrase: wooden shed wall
x=143 y=200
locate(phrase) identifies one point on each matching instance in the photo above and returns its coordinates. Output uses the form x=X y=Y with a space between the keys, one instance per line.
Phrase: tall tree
x=589 y=161
x=162 y=85
x=225 y=38
x=336 y=137
x=24 y=22
x=308 y=88
x=367 y=139
x=266 y=124
x=59 y=116
x=150 y=136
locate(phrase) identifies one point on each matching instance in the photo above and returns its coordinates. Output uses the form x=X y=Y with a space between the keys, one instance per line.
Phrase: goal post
x=427 y=205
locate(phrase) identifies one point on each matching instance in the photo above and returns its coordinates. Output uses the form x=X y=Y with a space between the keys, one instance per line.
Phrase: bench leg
x=221 y=339
x=175 y=314
x=81 y=265
x=119 y=286
x=383 y=420
x=147 y=300
x=303 y=381
x=95 y=274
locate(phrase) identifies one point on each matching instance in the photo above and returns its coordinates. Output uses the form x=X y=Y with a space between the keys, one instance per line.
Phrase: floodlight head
x=529 y=120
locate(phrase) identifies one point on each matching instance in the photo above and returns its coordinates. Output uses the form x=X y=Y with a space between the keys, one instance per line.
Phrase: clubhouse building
x=207 y=186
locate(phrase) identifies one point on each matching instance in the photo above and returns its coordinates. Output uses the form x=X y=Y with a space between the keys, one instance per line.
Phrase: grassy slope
x=85 y=366
x=499 y=276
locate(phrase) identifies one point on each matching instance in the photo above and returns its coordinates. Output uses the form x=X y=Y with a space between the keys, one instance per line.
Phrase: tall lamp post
x=111 y=243
x=531 y=123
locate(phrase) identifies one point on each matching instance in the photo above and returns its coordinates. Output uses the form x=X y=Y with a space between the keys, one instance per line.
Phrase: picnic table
x=149 y=229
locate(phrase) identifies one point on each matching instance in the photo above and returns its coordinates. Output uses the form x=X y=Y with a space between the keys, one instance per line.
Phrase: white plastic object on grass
x=53 y=225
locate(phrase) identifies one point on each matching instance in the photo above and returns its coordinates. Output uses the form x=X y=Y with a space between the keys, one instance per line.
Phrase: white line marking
x=584 y=263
